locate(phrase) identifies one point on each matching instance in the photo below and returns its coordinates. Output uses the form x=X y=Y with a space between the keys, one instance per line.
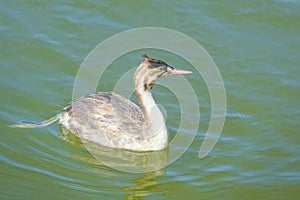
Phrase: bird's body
x=111 y=120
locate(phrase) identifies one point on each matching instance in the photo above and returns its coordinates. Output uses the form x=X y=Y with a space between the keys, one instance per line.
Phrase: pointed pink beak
x=180 y=71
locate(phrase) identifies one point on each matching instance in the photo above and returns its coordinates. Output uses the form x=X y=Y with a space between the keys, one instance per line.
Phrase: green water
x=255 y=45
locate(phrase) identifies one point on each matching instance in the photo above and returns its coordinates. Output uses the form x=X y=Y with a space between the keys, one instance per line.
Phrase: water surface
x=255 y=45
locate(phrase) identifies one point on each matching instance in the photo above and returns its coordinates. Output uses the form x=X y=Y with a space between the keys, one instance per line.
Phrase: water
x=256 y=47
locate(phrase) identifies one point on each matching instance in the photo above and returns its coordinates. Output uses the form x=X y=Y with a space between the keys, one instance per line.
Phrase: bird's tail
x=32 y=124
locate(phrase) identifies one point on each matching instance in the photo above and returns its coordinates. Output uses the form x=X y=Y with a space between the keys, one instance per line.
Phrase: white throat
x=155 y=128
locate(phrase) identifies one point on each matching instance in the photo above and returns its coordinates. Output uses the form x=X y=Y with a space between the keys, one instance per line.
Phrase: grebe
x=111 y=120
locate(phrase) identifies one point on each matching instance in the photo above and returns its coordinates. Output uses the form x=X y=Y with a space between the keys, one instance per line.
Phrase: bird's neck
x=154 y=119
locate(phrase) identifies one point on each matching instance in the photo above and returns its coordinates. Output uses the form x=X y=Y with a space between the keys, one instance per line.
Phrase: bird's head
x=151 y=69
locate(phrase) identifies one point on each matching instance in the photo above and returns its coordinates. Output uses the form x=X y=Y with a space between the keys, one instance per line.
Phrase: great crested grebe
x=114 y=121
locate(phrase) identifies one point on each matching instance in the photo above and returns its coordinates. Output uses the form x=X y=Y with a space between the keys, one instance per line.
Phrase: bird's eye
x=171 y=67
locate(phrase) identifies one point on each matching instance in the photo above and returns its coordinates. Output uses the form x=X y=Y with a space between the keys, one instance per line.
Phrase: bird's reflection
x=148 y=164
x=143 y=185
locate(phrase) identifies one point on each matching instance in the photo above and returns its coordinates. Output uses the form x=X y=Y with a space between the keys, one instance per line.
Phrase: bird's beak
x=180 y=71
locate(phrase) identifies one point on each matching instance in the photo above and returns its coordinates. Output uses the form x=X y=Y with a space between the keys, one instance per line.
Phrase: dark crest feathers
x=154 y=62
